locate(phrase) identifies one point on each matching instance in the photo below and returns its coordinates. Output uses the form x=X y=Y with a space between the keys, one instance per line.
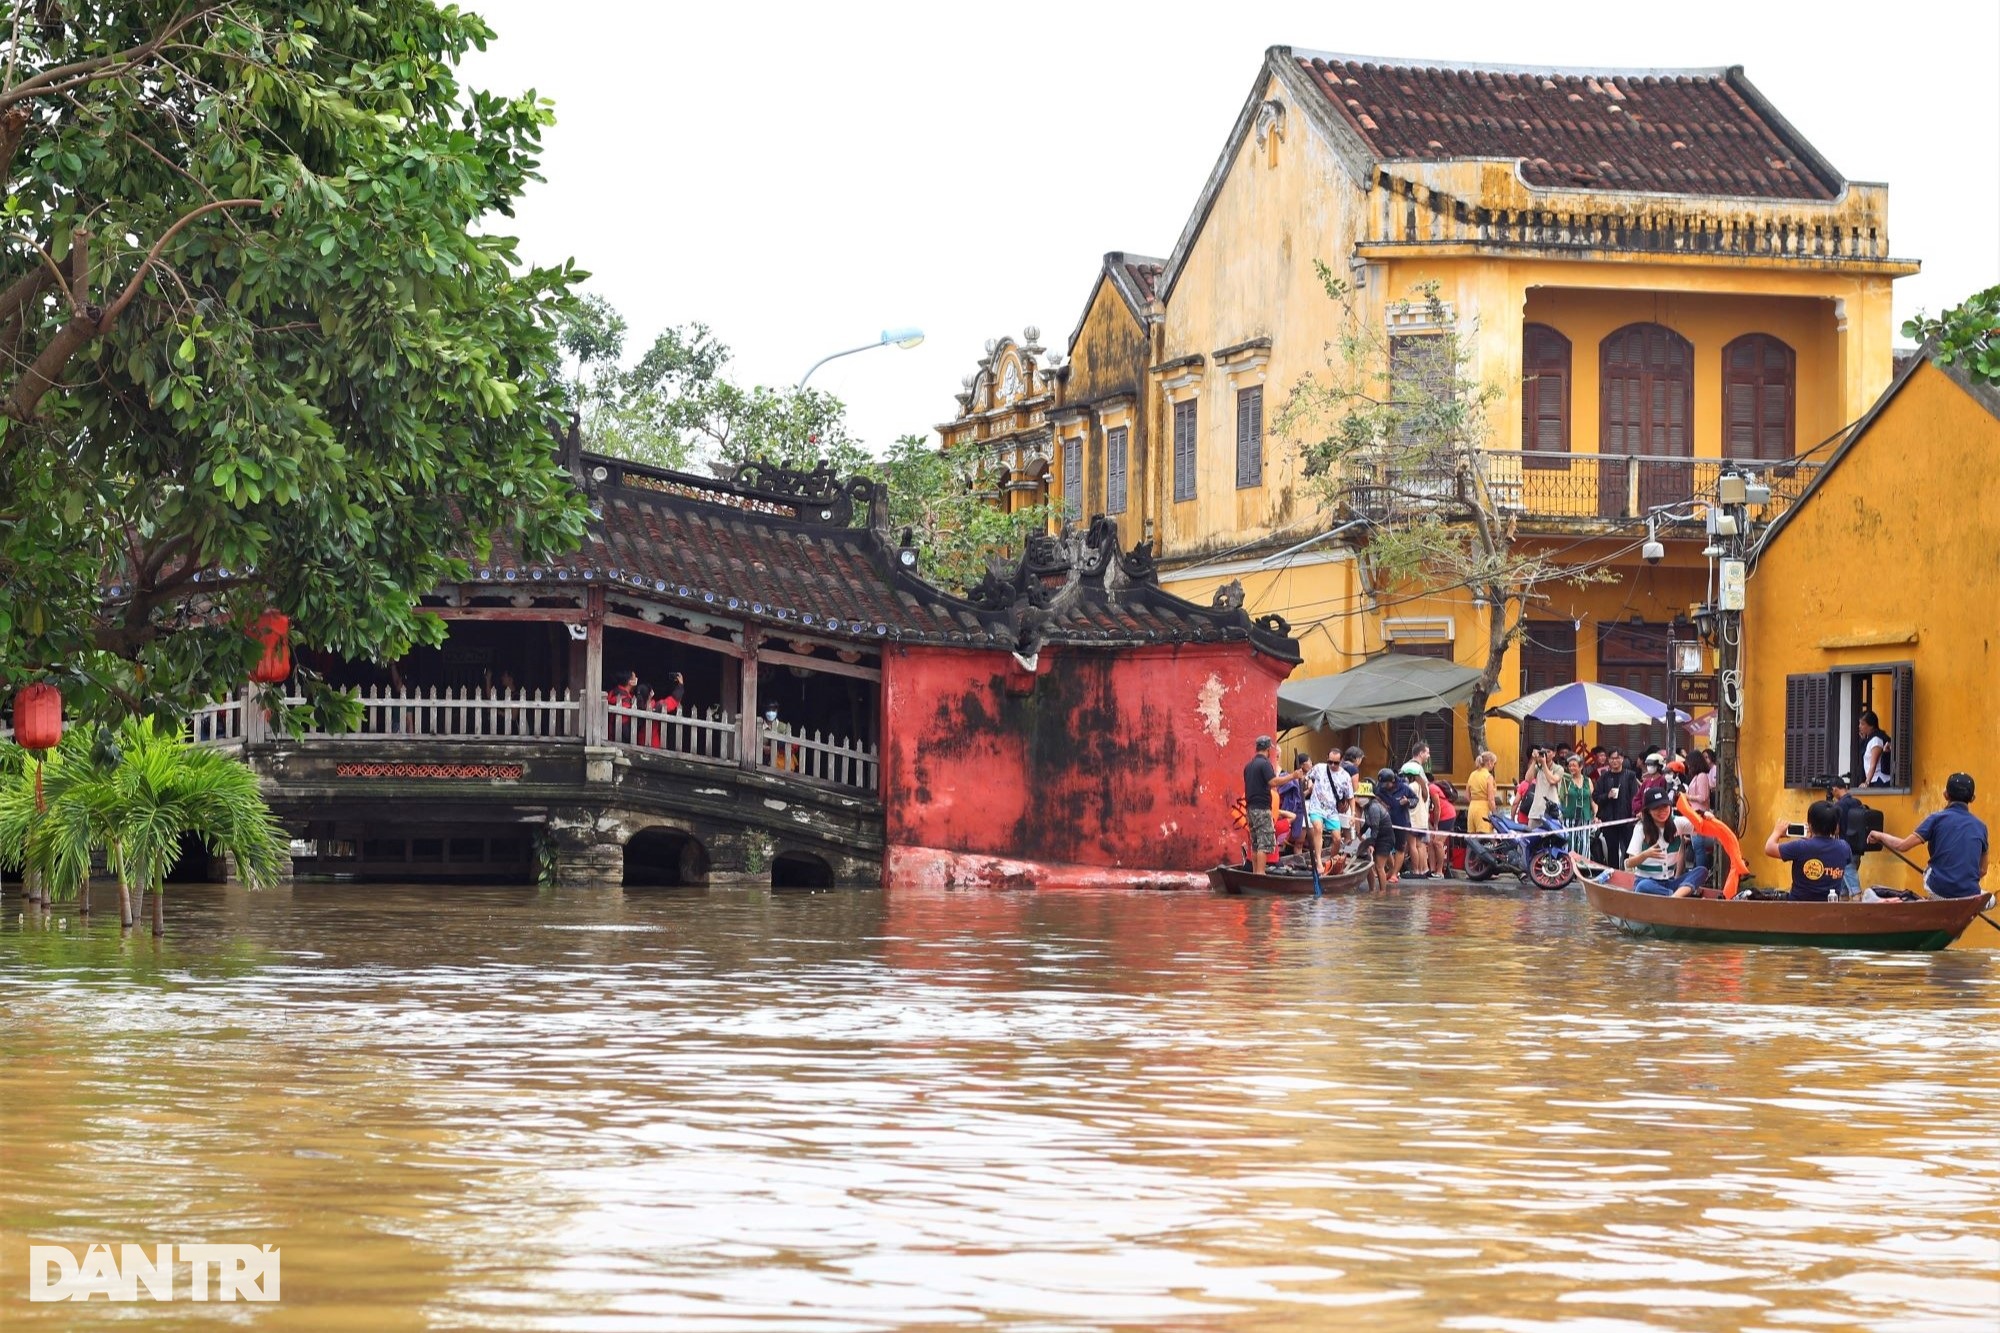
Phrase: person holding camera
x=1819 y=860
x=1546 y=798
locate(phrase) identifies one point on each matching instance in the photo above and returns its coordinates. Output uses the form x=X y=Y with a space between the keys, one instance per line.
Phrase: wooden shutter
x=1184 y=422
x=1548 y=659
x=1250 y=437
x=1808 y=722
x=1545 y=357
x=1438 y=729
x=1114 y=470
x=1073 y=478
x=1903 y=740
x=1759 y=389
x=1647 y=383
x=1634 y=657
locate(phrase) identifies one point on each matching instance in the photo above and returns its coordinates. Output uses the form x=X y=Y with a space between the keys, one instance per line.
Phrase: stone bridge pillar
x=590 y=849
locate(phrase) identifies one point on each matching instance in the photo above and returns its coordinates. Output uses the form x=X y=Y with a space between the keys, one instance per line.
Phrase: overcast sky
x=801 y=177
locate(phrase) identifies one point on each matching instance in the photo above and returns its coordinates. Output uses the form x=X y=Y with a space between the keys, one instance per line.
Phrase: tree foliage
x=256 y=345
x=931 y=494
x=677 y=406
x=1397 y=437
x=1967 y=335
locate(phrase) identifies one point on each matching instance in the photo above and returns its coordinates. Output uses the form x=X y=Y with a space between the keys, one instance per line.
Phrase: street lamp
x=904 y=338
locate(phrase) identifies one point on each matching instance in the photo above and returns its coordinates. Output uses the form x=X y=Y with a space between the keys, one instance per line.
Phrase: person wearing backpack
x=1855 y=823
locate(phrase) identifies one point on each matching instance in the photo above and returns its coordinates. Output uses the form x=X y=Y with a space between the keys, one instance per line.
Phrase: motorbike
x=1541 y=856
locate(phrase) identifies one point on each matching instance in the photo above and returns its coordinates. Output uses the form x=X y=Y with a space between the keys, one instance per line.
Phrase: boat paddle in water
x=1920 y=923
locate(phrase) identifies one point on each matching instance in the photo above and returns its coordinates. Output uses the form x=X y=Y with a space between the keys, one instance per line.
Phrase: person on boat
x=1258 y=778
x=1854 y=828
x=1574 y=803
x=1877 y=756
x=1351 y=760
x=1329 y=798
x=1481 y=791
x=1957 y=840
x=1378 y=835
x=1659 y=856
x=1819 y=860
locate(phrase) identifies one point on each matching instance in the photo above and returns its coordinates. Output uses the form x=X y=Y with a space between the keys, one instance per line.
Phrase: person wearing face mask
x=776 y=753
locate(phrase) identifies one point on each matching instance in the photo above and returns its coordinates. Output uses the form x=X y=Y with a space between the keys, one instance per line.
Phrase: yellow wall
x=1893 y=556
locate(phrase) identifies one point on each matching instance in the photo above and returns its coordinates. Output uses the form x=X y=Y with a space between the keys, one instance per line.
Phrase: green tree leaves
x=261 y=349
x=1967 y=335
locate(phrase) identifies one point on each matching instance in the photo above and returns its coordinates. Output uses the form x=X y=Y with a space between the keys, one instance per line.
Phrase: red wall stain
x=1111 y=760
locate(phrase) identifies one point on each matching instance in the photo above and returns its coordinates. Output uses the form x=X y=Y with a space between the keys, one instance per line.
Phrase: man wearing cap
x=1378 y=834
x=1958 y=842
x=1258 y=775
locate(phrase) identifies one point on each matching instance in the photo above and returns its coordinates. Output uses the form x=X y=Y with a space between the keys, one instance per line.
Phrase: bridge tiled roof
x=781 y=549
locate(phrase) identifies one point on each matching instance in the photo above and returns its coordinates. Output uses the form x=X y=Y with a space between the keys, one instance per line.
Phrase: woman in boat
x=1573 y=799
x=1661 y=859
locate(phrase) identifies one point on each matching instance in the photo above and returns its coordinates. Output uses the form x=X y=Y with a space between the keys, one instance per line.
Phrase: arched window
x=1646 y=389
x=1759 y=387
x=1544 y=395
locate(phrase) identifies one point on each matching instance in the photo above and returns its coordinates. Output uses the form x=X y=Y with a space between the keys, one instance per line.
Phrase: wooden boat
x=1925 y=923
x=1240 y=879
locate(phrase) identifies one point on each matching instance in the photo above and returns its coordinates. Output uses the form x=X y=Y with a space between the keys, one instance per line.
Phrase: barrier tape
x=1563 y=832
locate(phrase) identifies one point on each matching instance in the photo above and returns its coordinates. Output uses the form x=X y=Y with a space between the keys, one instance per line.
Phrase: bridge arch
x=661 y=856
x=801 y=870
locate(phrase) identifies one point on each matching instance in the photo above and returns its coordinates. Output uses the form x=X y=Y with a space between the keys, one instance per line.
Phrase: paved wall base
x=907 y=867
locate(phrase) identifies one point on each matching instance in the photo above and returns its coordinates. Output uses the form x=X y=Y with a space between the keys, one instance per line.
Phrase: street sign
x=1695 y=692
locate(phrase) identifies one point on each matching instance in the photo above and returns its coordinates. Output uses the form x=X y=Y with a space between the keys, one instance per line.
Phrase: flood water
x=1445 y=1108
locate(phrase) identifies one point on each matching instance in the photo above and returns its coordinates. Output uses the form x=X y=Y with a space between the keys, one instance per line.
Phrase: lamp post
x=904 y=338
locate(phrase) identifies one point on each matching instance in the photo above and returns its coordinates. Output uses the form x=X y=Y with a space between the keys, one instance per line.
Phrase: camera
x=1652 y=552
x=1795 y=830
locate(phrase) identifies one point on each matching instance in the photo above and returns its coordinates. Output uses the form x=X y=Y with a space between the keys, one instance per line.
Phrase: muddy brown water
x=1445 y=1108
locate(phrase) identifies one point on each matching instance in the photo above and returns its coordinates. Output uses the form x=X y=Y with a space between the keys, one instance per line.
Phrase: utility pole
x=1729 y=528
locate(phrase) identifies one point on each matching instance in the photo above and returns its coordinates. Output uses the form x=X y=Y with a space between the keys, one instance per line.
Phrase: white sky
x=800 y=177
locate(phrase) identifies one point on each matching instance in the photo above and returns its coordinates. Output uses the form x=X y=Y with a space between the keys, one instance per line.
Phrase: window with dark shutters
x=1808 y=720
x=1073 y=478
x=1184 y=450
x=1250 y=437
x=1759 y=379
x=1548 y=659
x=1645 y=389
x=1544 y=397
x=1114 y=470
x=1437 y=729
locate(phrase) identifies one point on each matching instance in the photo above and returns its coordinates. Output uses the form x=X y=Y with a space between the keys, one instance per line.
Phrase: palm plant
x=160 y=790
x=51 y=845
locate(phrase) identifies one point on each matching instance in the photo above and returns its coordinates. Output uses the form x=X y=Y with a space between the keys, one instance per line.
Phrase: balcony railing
x=709 y=736
x=500 y=714
x=1580 y=489
x=713 y=737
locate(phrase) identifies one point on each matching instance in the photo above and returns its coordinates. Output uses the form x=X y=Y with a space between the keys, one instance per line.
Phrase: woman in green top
x=1574 y=797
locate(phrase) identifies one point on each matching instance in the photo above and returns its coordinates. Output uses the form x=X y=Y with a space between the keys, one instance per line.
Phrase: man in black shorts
x=1258 y=775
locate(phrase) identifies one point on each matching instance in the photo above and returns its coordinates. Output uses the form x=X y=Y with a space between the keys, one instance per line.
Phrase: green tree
x=1966 y=335
x=136 y=805
x=1396 y=436
x=931 y=493
x=260 y=348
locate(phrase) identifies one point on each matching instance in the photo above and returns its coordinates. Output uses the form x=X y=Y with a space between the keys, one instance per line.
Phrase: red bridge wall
x=1124 y=759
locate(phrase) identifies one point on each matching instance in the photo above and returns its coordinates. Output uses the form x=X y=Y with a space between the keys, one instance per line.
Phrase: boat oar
x=1921 y=886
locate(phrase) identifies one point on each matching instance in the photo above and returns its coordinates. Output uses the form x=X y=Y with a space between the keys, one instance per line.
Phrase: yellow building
x=1829 y=632
x=1656 y=271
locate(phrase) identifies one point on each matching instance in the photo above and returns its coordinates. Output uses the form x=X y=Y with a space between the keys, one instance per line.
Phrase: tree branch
x=57 y=78
x=124 y=299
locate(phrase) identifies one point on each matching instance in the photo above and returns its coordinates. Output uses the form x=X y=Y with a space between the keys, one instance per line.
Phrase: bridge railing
x=468 y=712
x=710 y=736
x=217 y=724
x=819 y=757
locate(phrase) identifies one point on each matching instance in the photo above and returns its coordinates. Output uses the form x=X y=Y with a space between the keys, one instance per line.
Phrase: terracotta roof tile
x=1688 y=133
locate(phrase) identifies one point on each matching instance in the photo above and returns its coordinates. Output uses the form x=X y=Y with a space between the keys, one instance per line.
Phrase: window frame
x=1184 y=447
x=1249 y=437
x=1117 y=459
x=1072 y=458
x=1758 y=381
x=1821 y=711
x=1403 y=732
x=1536 y=372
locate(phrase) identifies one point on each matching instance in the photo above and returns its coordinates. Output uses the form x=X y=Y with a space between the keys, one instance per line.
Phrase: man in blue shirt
x=1958 y=842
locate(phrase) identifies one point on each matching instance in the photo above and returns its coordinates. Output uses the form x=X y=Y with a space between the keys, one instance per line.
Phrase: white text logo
x=215 y=1272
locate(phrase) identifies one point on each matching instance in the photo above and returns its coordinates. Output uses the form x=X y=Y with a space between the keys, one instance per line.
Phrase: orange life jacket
x=1708 y=826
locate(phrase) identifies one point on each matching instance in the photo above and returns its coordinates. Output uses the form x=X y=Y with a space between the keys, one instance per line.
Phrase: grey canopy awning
x=1390 y=686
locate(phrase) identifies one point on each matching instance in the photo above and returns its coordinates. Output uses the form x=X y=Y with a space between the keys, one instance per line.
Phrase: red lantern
x=273 y=630
x=38 y=718
x=38 y=725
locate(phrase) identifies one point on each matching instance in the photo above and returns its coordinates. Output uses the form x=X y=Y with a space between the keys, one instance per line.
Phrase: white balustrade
x=699 y=736
x=217 y=724
x=818 y=757
x=468 y=712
